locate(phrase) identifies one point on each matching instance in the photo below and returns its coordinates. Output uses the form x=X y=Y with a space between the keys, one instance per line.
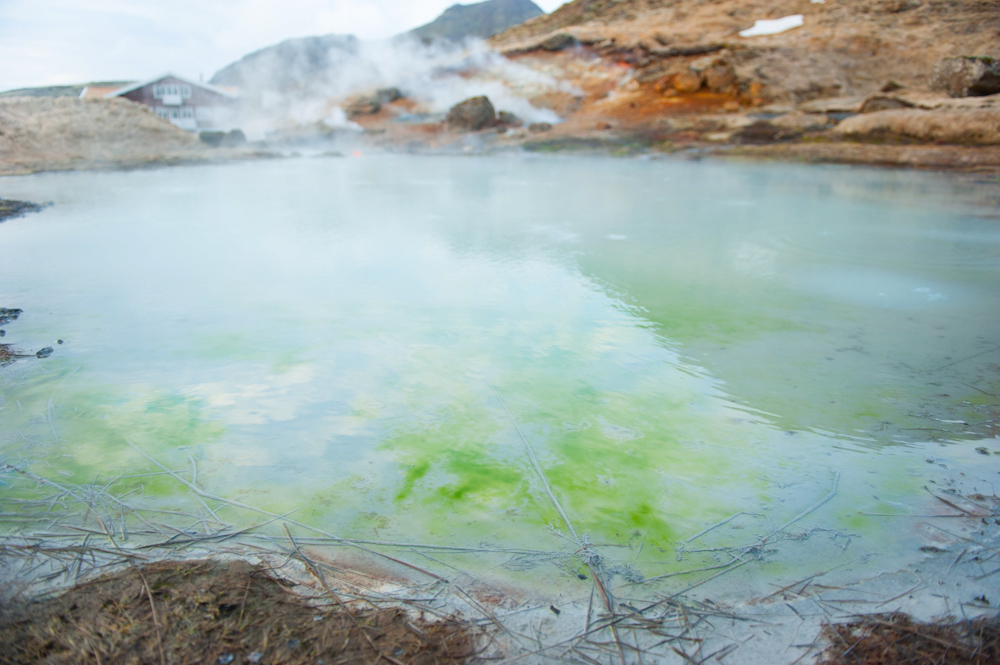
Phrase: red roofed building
x=189 y=105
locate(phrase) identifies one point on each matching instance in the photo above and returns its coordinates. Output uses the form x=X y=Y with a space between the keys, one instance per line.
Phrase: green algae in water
x=673 y=355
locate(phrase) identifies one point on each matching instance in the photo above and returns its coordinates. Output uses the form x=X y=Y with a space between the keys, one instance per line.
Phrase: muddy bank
x=218 y=612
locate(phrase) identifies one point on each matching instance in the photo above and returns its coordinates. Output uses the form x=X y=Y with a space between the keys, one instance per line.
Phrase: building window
x=187 y=112
x=163 y=113
x=172 y=90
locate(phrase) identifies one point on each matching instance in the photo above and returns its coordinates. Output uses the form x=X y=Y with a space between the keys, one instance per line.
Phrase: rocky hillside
x=483 y=19
x=843 y=48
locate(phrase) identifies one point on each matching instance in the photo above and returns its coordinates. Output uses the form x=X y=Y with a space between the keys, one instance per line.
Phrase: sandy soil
x=65 y=133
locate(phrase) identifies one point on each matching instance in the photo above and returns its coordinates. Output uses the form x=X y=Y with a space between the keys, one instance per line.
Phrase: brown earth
x=216 y=612
x=671 y=76
x=65 y=133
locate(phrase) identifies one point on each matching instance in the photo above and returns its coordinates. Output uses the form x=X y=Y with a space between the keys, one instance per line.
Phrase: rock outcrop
x=472 y=114
x=967 y=76
x=963 y=127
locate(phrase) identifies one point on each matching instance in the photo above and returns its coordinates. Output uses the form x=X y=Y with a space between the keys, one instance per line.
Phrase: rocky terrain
x=907 y=82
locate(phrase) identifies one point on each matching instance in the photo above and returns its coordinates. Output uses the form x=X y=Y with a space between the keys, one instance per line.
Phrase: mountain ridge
x=483 y=19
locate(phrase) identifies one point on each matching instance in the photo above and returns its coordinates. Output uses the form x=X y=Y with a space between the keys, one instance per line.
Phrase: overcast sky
x=50 y=42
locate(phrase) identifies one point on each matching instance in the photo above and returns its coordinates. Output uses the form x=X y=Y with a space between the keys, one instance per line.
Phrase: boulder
x=211 y=138
x=720 y=77
x=508 y=119
x=688 y=81
x=558 y=42
x=388 y=95
x=472 y=114
x=967 y=76
x=883 y=103
x=538 y=127
x=763 y=132
x=362 y=105
x=233 y=139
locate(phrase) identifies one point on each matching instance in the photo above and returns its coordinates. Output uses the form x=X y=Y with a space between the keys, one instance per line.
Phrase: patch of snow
x=773 y=26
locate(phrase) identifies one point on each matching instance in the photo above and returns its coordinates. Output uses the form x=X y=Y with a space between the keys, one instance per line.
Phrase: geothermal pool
x=474 y=351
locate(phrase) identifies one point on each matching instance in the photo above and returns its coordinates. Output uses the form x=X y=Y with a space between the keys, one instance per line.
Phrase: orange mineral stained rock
x=688 y=82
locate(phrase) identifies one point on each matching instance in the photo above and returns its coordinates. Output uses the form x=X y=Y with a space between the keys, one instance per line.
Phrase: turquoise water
x=375 y=342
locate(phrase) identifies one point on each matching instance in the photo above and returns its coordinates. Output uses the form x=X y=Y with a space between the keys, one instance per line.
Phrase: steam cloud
x=304 y=82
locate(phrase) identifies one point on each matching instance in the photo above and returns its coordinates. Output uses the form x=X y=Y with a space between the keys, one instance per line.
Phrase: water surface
x=375 y=343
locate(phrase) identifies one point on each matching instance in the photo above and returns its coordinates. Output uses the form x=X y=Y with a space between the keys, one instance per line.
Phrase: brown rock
x=762 y=132
x=362 y=105
x=967 y=76
x=688 y=82
x=558 y=42
x=883 y=103
x=973 y=126
x=538 y=127
x=720 y=77
x=508 y=119
x=472 y=114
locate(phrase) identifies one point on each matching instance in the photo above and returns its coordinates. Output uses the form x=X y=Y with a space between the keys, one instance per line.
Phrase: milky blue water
x=375 y=343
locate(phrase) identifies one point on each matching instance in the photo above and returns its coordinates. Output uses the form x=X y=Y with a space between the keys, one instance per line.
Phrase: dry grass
x=896 y=639
x=214 y=612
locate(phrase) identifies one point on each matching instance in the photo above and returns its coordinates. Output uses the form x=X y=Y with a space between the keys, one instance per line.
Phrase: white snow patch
x=773 y=26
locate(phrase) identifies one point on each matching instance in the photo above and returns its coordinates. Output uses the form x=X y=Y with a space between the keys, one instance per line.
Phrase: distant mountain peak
x=483 y=19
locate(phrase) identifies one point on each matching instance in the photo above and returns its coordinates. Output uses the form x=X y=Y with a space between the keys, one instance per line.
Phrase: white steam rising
x=294 y=91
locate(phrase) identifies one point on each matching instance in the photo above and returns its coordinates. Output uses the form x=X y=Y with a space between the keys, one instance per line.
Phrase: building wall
x=195 y=109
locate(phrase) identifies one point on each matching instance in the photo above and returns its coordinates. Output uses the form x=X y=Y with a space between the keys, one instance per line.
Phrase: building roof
x=141 y=84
